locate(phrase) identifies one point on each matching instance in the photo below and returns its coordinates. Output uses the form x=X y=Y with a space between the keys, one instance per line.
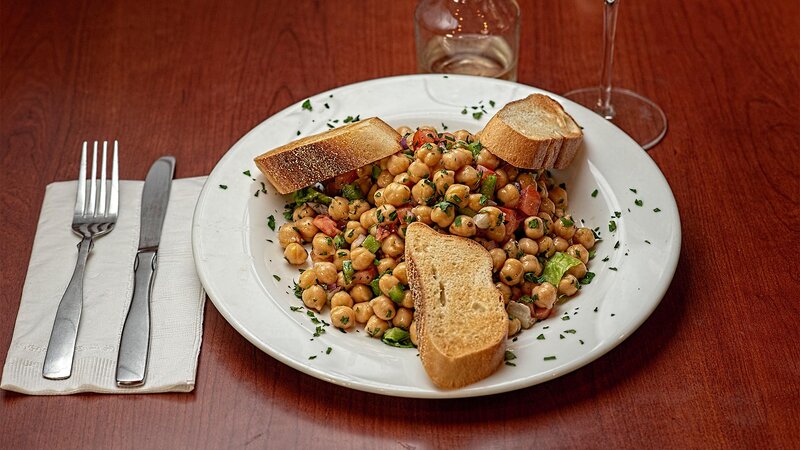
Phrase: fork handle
x=134 y=345
x=61 y=348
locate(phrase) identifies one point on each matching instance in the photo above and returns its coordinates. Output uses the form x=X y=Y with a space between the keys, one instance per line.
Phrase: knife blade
x=134 y=345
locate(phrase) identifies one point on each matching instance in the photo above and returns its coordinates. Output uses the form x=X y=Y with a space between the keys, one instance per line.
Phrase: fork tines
x=99 y=203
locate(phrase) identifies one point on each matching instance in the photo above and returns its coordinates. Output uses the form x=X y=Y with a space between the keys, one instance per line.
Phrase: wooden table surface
x=716 y=365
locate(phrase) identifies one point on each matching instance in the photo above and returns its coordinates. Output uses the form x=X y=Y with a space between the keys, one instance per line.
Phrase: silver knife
x=134 y=346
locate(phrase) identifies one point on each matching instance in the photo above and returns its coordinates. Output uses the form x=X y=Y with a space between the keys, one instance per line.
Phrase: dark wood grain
x=715 y=366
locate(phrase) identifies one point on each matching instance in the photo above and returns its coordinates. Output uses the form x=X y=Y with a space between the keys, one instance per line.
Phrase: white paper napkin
x=176 y=303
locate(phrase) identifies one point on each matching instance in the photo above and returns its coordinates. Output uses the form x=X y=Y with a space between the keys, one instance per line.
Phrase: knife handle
x=134 y=345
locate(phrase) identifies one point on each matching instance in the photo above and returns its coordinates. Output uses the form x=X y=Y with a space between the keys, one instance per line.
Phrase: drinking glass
x=468 y=37
x=636 y=115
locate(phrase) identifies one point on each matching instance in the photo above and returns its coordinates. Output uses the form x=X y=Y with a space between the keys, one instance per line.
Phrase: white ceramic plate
x=250 y=283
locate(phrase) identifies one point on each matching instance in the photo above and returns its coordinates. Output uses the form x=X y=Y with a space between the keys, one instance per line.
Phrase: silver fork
x=91 y=219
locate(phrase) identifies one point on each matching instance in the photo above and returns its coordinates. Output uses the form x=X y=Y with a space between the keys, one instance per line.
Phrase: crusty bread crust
x=554 y=144
x=461 y=323
x=312 y=159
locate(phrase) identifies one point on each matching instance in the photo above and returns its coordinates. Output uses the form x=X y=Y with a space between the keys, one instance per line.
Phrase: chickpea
x=462 y=135
x=547 y=220
x=579 y=252
x=371 y=195
x=363 y=311
x=505 y=291
x=474 y=202
x=530 y=264
x=386 y=214
x=456 y=159
x=403 y=179
x=527 y=286
x=514 y=325
x=487 y=159
x=378 y=198
x=560 y=244
x=546 y=246
x=489 y=217
x=408 y=299
x=386 y=264
x=288 y=235
x=362 y=258
x=534 y=227
x=341 y=298
x=512 y=248
x=356 y=208
x=585 y=237
x=498 y=258
x=429 y=154
x=568 y=285
x=387 y=282
x=547 y=206
x=559 y=213
x=525 y=180
x=418 y=170
x=511 y=171
x=443 y=179
x=398 y=163
x=423 y=192
x=463 y=226
x=558 y=196
x=307 y=279
x=443 y=214
x=338 y=208
x=488 y=244
x=326 y=272
x=396 y=194
x=497 y=233
x=384 y=178
x=502 y=179
x=339 y=258
x=351 y=234
x=361 y=293
x=508 y=196
x=401 y=272
x=322 y=245
x=315 y=297
x=528 y=246
x=302 y=212
x=366 y=171
x=403 y=131
x=469 y=176
x=564 y=227
x=376 y=327
x=383 y=307
x=369 y=218
x=306 y=228
x=457 y=194
x=393 y=245
x=295 y=254
x=343 y=317
x=423 y=214
x=317 y=258
x=403 y=318
x=412 y=332
x=545 y=295
x=511 y=273
x=578 y=271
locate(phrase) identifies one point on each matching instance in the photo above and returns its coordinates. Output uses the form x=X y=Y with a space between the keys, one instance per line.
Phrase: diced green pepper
x=310 y=194
x=352 y=192
x=487 y=188
x=371 y=244
x=347 y=271
x=397 y=337
x=397 y=293
x=376 y=290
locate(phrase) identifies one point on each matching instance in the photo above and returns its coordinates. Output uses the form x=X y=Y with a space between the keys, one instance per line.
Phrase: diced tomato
x=423 y=136
x=404 y=214
x=484 y=171
x=529 y=201
x=335 y=184
x=326 y=225
x=511 y=221
x=365 y=276
x=384 y=231
x=541 y=313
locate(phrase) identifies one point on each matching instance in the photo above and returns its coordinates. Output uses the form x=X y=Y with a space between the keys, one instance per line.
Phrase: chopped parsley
x=638 y=202
x=271 y=222
x=654 y=210
x=277 y=278
x=247 y=173
x=594 y=193
x=477 y=115
x=312 y=357
x=307 y=105
x=549 y=358
x=612 y=268
x=223 y=186
x=570 y=331
x=565 y=318
x=540 y=337
x=612 y=226
x=328 y=351
x=633 y=190
x=587 y=278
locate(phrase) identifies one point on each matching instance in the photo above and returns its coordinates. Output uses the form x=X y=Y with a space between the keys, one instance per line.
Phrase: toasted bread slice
x=461 y=322
x=533 y=133
x=337 y=151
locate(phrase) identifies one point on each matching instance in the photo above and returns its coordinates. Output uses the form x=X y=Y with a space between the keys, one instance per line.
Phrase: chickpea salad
x=355 y=224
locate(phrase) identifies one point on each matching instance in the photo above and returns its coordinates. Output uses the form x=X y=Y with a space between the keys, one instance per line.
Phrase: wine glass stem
x=604 y=106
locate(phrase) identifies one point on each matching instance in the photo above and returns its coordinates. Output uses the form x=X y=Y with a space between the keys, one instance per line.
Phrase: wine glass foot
x=637 y=116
